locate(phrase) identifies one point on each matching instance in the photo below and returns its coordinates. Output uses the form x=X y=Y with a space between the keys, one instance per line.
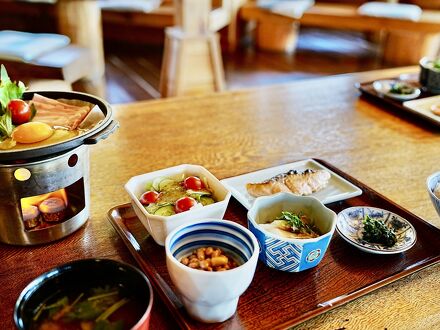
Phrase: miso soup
x=96 y=308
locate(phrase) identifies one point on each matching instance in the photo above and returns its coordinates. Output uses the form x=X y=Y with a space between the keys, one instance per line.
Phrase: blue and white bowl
x=291 y=254
x=350 y=228
x=431 y=183
x=211 y=296
x=429 y=75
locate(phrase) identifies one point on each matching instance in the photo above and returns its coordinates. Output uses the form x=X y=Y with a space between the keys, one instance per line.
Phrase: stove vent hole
x=73 y=160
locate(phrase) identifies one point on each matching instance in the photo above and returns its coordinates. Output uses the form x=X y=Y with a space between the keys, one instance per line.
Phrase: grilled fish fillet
x=299 y=183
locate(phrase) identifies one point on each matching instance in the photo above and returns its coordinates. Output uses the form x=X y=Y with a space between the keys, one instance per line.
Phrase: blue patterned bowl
x=211 y=296
x=432 y=181
x=291 y=254
x=350 y=228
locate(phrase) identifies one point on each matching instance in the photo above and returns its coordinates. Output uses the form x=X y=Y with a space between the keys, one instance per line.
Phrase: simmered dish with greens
x=292 y=225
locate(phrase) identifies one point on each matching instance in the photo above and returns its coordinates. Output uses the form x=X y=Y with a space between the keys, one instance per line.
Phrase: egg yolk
x=32 y=132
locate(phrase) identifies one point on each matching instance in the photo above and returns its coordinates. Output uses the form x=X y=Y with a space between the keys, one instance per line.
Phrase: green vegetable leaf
x=4 y=74
x=9 y=90
x=57 y=306
x=6 y=126
x=106 y=325
x=376 y=231
x=292 y=219
x=113 y=308
x=85 y=310
x=59 y=303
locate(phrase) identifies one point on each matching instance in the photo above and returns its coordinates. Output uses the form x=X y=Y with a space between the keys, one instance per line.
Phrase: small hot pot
x=45 y=191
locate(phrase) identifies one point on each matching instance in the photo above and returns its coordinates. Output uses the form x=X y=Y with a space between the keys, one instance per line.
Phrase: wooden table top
x=236 y=132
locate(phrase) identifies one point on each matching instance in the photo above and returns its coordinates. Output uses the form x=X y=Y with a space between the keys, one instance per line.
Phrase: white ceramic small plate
x=337 y=189
x=424 y=107
x=350 y=228
x=384 y=86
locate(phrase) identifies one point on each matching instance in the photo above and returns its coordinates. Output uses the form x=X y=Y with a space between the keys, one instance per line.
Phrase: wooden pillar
x=192 y=16
x=80 y=20
x=192 y=62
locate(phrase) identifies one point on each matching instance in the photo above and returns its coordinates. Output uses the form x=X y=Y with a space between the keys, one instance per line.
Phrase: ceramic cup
x=211 y=296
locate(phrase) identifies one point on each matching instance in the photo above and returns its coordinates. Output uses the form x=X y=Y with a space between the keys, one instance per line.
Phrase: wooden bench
x=80 y=21
x=404 y=41
x=70 y=64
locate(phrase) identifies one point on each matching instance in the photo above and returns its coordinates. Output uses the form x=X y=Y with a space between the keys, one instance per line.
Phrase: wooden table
x=236 y=132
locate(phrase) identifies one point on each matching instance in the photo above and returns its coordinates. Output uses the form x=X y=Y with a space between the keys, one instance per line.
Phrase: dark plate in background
x=398 y=106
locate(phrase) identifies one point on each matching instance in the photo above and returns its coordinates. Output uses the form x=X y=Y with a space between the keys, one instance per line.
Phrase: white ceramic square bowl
x=160 y=226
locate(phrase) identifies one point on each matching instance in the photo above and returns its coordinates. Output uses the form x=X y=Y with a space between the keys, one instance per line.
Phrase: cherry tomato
x=193 y=183
x=184 y=204
x=149 y=197
x=20 y=111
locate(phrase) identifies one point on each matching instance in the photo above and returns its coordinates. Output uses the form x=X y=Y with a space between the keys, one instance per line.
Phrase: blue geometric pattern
x=282 y=255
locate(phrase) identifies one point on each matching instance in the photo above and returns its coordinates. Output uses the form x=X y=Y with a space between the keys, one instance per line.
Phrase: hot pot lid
x=98 y=124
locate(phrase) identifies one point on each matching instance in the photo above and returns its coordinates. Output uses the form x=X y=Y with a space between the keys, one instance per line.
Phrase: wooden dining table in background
x=235 y=132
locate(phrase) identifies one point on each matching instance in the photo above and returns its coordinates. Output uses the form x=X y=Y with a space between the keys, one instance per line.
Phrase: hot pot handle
x=102 y=134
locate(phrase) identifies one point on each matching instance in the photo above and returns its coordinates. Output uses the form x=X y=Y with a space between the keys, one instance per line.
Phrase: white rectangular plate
x=337 y=189
x=423 y=107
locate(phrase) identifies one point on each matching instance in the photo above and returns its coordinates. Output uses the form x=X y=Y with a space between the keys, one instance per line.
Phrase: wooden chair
x=192 y=62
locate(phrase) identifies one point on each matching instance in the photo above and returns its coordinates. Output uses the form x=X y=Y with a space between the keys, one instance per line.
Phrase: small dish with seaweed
x=375 y=230
x=396 y=89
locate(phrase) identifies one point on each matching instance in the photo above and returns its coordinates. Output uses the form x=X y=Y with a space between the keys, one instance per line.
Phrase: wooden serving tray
x=277 y=299
x=398 y=106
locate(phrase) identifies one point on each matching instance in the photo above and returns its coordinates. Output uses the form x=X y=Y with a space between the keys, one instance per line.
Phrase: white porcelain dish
x=384 y=86
x=424 y=107
x=350 y=227
x=160 y=226
x=337 y=189
x=433 y=183
x=211 y=296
